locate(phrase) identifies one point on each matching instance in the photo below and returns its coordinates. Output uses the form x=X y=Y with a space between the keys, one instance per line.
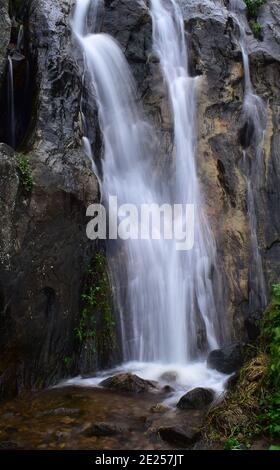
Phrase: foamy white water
x=185 y=377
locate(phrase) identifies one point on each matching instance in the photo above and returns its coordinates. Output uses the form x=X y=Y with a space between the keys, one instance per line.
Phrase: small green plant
x=256 y=29
x=68 y=361
x=232 y=444
x=253 y=8
x=97 y=324
x=25 y=173
x=85 y=331
x=272 y=447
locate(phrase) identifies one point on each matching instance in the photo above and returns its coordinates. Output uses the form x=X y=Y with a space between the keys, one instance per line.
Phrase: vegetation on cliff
x=96 y=328
x=270 y=344
x=253 y=8
x=252 y=407
x=25 y=173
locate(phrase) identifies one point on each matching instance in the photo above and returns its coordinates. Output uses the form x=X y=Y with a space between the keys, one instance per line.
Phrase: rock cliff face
x=214 y=41
x=44 y=249
x=216 y=59
x=5 y=26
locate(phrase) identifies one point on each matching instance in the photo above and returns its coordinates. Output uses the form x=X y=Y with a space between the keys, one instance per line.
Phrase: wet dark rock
x=44 y=249
x=167 y=389
x=104 y=429
x=9 y=184
x=177 y=427
x=226 y=360
x=8 y=445
x=178 y=434
x=232 y=381
x=5 y=32
x=61 y=436
x=88 y=375
x=11 y=430
x=7 y=415
x=269 y=19
x=252 y=325
x=128 y=383
x=196 y=399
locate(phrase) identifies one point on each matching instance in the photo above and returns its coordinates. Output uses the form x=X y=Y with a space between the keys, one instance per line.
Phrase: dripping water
x=254 y=111
x=17 y=100
x=20 y=39
x=11 y=104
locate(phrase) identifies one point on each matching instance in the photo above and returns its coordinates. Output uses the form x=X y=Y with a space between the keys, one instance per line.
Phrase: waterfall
x=11 y=104
x=20 y=39
x=165 y=297
x=254 y=111
x=201 y=300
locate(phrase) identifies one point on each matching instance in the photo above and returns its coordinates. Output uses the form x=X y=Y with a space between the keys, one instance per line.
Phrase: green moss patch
x=96 y=329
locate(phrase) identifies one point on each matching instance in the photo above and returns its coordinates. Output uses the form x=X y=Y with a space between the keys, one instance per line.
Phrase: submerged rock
x=128 y=383
x=196 y=399
x=159 y=408
x=167 y=389
x=104 y=429
x=170 y=376
x=226 y=360
x=61 y=412
x=8 y=445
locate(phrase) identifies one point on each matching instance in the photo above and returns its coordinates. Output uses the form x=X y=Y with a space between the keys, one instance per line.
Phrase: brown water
x=58 y=418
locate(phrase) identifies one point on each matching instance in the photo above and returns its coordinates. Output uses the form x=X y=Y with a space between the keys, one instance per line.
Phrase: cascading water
x=198 y=265
x=20 y=38
x=254 y=110
x=164 y=296
x=19 y=83
x=11 y=104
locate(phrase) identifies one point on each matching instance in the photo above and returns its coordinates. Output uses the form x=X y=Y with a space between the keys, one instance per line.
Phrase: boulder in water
x=196 y=399
x=167 y=389
x=128 y=383
x=177 y=427
x=170 y=376
x=226 y=360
